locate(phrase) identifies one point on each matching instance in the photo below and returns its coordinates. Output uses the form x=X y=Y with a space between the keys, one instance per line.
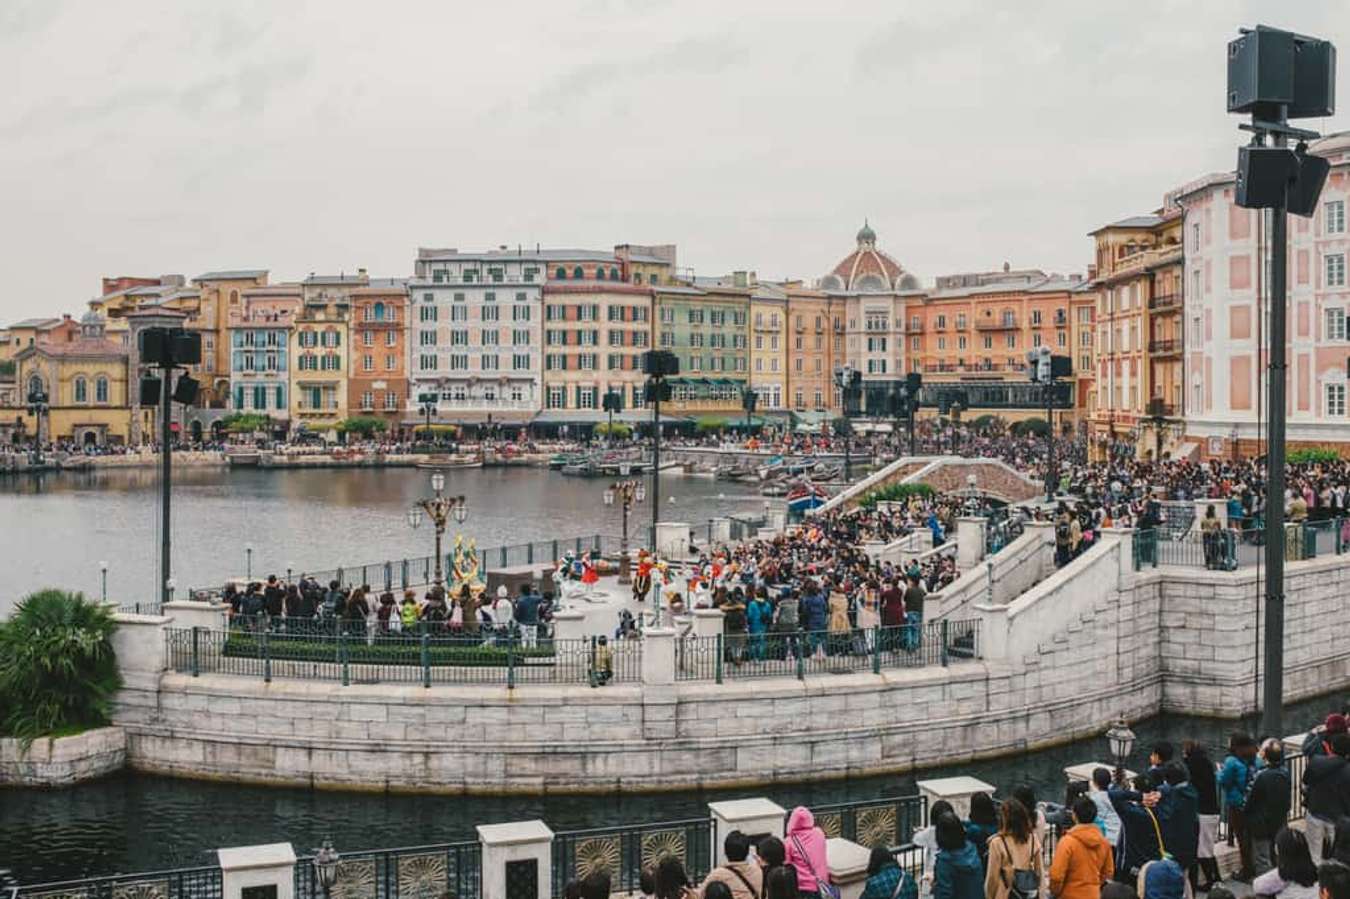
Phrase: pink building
x=1227 y=313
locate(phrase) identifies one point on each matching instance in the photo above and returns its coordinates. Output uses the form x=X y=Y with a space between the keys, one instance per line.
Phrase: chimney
x=361 y=273
x=1092 y=272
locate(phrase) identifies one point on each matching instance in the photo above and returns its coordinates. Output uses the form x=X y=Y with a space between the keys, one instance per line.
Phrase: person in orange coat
x=1082 y=861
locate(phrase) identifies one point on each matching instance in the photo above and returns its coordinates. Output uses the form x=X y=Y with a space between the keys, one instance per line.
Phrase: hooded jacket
x=1326 y=783
x=1162 y=880
x=1082 y=863
x=1179 y=820
x=958 y=874
x=802 y=830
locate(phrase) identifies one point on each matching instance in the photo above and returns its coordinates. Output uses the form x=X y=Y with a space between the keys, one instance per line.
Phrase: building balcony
x=1165 y=302
x=997 y=324
x=1164 y=347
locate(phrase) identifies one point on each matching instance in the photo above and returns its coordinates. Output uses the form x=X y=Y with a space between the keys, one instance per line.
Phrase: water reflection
x=54 y=529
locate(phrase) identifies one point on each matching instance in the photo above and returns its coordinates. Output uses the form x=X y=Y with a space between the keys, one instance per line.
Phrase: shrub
x=991 y=423
x=621 y=430
x=894 y=493
x=710 y=423
x=1313 y=454
x=1033 y=427
x=245 y=423
x=58 y=671
x=362 y=426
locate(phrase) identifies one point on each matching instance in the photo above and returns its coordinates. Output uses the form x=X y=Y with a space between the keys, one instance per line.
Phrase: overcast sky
x=142 y=138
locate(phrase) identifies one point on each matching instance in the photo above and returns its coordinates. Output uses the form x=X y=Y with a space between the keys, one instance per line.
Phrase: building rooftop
x=242 y=274
x=1139 y=222
x=39 y=323
x=360 y=279
x=527 y=255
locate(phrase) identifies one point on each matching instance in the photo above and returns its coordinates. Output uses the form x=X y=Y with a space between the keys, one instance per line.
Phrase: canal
x=55 y=529
x=135 y=822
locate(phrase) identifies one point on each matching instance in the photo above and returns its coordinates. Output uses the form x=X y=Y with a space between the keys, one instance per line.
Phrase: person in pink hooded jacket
x=805 y=845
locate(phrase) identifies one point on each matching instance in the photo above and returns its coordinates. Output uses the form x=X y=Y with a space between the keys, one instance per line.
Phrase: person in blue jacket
x=1235 y=776
x=957 y=872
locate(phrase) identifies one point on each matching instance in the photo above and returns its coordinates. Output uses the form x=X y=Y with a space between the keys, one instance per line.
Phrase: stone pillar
x=189 y=614
x=569 y=624
x=994 y=626
x=956 y=790
x=139 y=645
x=847 y=863
x=777 y=519
x=752 y=817
x=672 y=540
x=525 y=849
x=721 y=530
x=708 y=622
x=970 y=537
x=270 y=867
x=1126 y=558
x=658 y=657
x=1083 y=771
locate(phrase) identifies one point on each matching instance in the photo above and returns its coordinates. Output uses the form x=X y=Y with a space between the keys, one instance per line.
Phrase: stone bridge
x=945 y=474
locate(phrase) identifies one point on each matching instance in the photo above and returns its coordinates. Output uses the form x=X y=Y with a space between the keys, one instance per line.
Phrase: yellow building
x=218 y=295
x=319 y=353
x=768 y=347
x=647 y=265
x=86 y=384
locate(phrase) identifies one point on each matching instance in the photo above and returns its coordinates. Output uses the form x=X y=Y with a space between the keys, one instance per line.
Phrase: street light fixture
x=326 y=860
x=626 y=493
x=248 y=564
x=439 y=509
x=103 y=570
x=1121 y=739
x=170 y=584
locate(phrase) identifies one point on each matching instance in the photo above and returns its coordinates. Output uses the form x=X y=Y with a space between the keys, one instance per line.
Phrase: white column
x=847 y=862
x=189 y=614
x=672 y=540
x=658 y=657
x=752 y=817
x=271 y=866
x=517 y=842
x=708 y=622
x=956 y=790
x=139 y=645
x=1083 y=771
x=721 y=530
x=569 y=625
x=970 y=537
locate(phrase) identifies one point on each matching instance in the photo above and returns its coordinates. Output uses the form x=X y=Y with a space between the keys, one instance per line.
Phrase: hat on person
x=1336 y=723
x=502 y=592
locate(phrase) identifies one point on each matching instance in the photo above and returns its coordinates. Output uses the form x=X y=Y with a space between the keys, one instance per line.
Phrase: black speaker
x=1261 y=71
x=651 y=391
x=1061 y=366
x=156 y=347
x=660 y=363
x=185 y=391
x=150 y=391
x=1307 y=187
x=187 y=348
x=1263 y=176
x=913 y=381
x=1314 y=79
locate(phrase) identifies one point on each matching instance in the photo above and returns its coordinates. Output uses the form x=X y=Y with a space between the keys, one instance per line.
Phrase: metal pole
x=165 y=485
x=1273 y=705
x=657 y=384
x=912 y=403
x=1050 y=440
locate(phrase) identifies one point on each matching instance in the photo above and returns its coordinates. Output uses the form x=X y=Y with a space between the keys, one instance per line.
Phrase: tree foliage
x=58 y=670
x=1034 y=427
x=894 y=493
x=709 y=424
x=245 y=423
x=1313 y=454
x=622 y=430
x=362 y=426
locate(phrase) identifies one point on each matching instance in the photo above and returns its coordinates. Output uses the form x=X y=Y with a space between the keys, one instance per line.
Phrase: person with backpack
x=886 y=879
x=1015 y=867
x=744 y=877
x=982 y=824
x=1234 y=778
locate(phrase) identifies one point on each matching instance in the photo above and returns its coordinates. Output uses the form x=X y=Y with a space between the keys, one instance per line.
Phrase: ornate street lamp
x=626 y=493
x=103 y=570
x=1121 y=740
x=326 y=860
x=39 y=408
x=439 y=509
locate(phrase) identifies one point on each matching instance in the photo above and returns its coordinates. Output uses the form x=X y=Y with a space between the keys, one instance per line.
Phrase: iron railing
x=625 y=851
x=723 y=657
x=1229 y=549
x=425 y=659
x=183 y=883
x=400 y=574
x=442 y=871
x=888 y=822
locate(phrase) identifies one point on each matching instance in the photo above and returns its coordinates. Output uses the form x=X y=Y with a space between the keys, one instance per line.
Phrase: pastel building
x=595 y=333
x=768 y=347
x=319 y=351
x=1227 y=309
x=259 y=337
x=814 y=339
x=378 y=377
x=85 y=378
x=707 y=328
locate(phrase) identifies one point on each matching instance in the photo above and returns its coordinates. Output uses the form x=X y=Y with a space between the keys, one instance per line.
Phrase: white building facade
x=1227 y=313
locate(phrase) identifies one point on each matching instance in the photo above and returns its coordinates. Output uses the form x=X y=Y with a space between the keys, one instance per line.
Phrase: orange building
x=378 y=374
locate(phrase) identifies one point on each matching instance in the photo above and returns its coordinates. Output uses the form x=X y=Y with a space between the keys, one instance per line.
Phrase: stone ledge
x=64 y=761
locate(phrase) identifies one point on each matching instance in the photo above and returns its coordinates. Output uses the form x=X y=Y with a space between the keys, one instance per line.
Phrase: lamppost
x=169 y=585
x=440 y=509
x=626 y=493
x=38 y=407
x=103 y=570
x=749 y=399
x=326 y=860
x=248 y=561
x=954 y=417
x=1121 y=740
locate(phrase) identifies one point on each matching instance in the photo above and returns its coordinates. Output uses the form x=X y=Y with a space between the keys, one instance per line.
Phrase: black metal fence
x=1230 y=549
x=724 y=657
x=368 y=658
x=183 y=883
x=887 y=822
x=625 y=851
x=443 y=871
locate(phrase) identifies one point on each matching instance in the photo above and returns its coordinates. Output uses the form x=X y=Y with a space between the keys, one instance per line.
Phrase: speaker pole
x=1272 y=707
x=657 y=384
x=165 y=484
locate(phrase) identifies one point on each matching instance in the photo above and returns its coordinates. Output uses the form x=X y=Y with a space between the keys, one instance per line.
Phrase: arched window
x=379 y=312
x=599 y=273
x=613 y=273
x=81 y=390
x=35 y=386
x=561 y=273
x=101 y=390
x=234 y=298
x=578 y=273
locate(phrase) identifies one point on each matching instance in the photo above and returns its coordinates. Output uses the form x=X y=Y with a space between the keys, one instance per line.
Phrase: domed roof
x=866 y=269
x=91 y=318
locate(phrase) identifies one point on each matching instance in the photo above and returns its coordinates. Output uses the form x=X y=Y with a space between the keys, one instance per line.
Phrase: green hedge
x=894 y=493
x=387 y=650
x=1313 y=454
